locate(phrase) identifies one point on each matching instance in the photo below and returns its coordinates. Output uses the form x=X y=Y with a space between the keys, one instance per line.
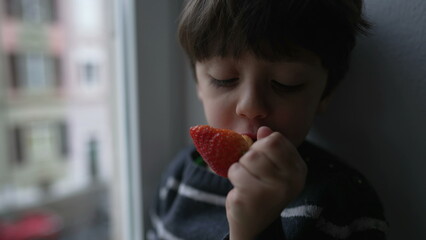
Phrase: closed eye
x=223 y=83
x=280 y=87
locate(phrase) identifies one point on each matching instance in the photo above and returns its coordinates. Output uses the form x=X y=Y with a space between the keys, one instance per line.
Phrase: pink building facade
x=56 y=99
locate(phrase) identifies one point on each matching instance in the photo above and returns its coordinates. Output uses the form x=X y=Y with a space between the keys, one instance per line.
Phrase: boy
x=265 y=68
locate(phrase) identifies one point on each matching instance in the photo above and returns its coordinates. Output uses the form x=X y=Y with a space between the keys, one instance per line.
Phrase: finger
x=260 y=166
x=281 y=152
x=275 y=148
x=263 y=132
x=241 y=178
x=248 y=188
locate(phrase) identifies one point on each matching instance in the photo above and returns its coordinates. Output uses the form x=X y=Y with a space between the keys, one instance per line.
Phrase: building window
x=41 y=141
x=12 y=8
x=35 y=71
x=57 y=71
x=89 y=75
x=17 y=146
x=63 y=137
x=35 y=68
x=13 y=71
x=92 y=157
x=33 y=11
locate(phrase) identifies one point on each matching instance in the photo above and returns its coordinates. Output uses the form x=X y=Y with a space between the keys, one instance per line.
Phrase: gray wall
x=161 y=88
x=376 y=120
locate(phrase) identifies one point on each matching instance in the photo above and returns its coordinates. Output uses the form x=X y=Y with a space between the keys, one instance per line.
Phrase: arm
x=269 y=176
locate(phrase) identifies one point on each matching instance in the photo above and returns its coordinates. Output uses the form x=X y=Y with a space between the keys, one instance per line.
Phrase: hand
x=266 y=179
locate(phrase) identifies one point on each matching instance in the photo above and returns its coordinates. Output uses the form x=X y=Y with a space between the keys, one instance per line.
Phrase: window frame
x=161 y=93
x=153 y=111
x=129 y=191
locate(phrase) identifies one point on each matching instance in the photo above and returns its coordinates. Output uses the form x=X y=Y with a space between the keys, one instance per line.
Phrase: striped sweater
x=337 y=203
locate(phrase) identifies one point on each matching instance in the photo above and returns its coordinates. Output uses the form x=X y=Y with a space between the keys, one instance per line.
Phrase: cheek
x=295 y=125
x=301 y=128
x=296 y=120
x=219 y=108
x=217 y=113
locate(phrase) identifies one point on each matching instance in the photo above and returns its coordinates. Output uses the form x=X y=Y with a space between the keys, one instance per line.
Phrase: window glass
x=36 y=70
x=89 y=75
x=58 y=154
x=35 y=11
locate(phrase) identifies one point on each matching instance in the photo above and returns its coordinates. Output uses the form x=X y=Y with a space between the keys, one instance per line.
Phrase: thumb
x=263 y=132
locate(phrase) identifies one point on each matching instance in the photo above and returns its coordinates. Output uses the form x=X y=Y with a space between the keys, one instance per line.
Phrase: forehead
x=303 y=57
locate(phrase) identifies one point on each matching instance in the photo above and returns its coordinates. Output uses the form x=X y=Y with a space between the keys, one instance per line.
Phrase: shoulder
x=187 y=193
x=341 y=185
x=182 y=158
x=326 y=168
x=174 y=171
x=349 y=204
x=182 y=170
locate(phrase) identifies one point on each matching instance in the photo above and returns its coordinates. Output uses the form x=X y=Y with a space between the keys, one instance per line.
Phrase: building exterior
x=56 y=129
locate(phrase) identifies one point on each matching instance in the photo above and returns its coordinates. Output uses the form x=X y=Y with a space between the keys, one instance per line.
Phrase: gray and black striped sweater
x=337 y=203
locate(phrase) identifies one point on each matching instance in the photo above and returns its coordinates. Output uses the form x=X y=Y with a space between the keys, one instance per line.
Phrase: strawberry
x=219 y=148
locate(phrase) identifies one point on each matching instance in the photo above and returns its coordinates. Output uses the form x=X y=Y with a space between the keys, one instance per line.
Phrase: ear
x=323 y=104
x=197 y=85
x=198 y=91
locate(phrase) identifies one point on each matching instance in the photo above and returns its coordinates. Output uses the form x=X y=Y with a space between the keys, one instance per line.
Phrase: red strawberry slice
x=219 y=148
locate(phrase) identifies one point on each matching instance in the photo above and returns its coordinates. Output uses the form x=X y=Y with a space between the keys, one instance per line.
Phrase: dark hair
x=274 y=30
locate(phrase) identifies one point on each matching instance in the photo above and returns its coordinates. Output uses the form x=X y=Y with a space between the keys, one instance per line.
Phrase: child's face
x=246 y=93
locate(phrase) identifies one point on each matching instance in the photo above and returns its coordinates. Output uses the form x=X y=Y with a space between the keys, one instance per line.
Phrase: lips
x=250 y=129
x=251 y=135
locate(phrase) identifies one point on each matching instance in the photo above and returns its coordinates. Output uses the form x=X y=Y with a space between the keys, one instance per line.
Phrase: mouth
x=251 y=135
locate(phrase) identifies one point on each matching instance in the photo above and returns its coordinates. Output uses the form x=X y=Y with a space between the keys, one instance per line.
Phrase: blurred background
x=96 y=97
x=57 y=102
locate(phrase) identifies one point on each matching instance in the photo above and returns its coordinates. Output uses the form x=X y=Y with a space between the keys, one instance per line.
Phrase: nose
x=252 y=103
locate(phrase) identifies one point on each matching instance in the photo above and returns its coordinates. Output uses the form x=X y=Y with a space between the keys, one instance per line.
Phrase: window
x=93 y=157
x=13 y=70
x=34 y=11
x=34 y=72
x=89 y=75
x=42 y=141
x=38 y=140
x=17 y=153
x=63 y=139
x=60 y=164
x=92 y=181
x=35 y=69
